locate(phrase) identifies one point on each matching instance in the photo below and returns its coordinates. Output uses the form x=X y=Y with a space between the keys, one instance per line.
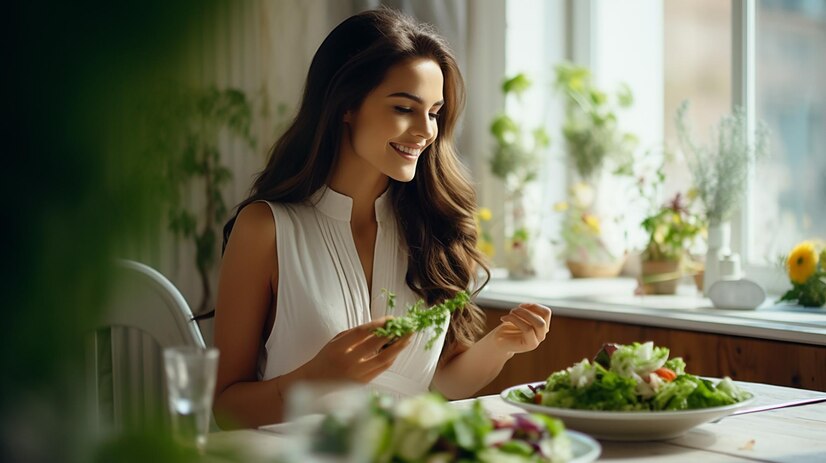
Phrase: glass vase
x=520 y=251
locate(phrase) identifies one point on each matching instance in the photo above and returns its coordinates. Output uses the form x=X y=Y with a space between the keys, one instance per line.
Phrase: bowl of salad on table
x=428 y=429
x=630 y=392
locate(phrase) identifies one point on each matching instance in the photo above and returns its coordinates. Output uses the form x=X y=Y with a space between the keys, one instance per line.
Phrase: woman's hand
x=523 y=328
x=356 y=355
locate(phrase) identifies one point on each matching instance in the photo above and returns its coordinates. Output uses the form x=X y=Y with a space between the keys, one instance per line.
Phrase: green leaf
x=624 y=96
x=516 y=84
x=504 y=129
x=541 y=137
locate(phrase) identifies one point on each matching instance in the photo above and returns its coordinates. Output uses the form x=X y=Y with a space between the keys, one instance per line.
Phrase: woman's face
x=397 y=120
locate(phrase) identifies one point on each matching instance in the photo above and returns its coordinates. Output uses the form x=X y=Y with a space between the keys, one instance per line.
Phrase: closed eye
x=407 y=110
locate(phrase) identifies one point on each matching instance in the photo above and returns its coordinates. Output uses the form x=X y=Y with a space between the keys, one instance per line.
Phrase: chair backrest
x=125 y=379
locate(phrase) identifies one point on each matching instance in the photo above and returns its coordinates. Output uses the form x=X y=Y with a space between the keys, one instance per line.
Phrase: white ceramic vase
x=719 y=238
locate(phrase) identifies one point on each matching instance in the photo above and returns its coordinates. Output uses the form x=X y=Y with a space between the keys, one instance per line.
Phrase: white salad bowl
x=628 y=426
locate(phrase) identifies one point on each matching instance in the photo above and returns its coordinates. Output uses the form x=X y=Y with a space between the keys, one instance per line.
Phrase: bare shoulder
x=249 y=265
x=255 y=218
x=254 y=229
x=251 y=250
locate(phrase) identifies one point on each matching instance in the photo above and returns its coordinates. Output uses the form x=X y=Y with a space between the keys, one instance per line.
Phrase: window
x=766 y=55
x=788 y=196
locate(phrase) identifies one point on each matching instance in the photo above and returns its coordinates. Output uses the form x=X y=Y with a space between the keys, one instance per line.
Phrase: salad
x=633 y=377
x=419 y=317
x=428 y=429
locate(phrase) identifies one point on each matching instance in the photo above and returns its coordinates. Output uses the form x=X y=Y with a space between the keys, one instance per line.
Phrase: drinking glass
x=190 y=379
x=325 y=422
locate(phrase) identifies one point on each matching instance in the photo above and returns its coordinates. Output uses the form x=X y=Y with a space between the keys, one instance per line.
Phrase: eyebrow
x=415 y=98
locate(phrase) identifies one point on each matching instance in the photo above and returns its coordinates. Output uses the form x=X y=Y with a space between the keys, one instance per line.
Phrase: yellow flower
x=561 y=206
x=802 y=262
x=592 y=222
x=485 y=214
x=487 y=248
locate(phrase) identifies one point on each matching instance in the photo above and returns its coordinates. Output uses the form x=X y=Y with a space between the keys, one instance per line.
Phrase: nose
x=424 y=127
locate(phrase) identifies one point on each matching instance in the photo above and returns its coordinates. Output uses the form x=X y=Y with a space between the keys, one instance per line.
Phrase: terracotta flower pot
x=660 y=276
x=594 y=270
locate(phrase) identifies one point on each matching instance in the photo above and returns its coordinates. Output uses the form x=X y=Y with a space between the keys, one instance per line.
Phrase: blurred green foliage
x=81 y=182
x=591 y=131
x=187 y=131
x=516 y=156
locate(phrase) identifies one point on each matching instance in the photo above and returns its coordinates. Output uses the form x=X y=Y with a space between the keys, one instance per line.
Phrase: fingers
x=523 y=325
x=362 y=332
x=385 y=358
x=540 y=310
x=528 y=321
x=372 y=325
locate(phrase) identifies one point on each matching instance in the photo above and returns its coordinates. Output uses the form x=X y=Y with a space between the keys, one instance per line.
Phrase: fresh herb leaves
x=419 y=317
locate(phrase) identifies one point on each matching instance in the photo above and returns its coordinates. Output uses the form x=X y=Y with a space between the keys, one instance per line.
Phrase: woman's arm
x=469 y=369
x=246 y=292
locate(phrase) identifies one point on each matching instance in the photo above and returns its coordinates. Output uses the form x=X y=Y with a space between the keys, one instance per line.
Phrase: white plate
x=628 y=426
x=584 y=449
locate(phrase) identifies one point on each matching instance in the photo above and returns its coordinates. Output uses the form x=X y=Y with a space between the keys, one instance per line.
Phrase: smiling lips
x=407 y=152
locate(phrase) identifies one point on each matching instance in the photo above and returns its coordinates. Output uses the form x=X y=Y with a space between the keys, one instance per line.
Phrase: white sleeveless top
x=322 y=290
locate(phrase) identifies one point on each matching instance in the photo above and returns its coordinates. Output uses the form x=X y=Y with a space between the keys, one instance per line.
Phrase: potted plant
x=515 y=161
x=720 y=171
x=583 y=248
x=196 y=175
x=593 y=139
x=670 y=229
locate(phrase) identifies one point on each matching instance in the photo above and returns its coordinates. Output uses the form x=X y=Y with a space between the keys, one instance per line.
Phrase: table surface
x=793 y=435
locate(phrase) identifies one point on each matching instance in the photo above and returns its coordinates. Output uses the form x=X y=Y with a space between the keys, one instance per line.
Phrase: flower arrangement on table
x=671 y=229
x=593 y=140
x=807 y=273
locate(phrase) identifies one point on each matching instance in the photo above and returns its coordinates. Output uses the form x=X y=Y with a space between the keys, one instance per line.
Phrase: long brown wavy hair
x=435 y=210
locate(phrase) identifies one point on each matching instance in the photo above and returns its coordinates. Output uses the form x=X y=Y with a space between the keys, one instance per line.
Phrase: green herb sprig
x=419 y=317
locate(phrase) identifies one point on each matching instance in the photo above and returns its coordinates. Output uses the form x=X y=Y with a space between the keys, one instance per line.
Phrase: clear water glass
x=190 y=380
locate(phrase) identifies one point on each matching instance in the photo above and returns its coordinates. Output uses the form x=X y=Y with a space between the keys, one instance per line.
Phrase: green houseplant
x=720 y=172
x=593 y=139
x=515 y=160
x=195 y=165
x=671 y=229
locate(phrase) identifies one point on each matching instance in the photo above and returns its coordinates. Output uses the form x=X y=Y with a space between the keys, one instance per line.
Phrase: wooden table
x=794 y=435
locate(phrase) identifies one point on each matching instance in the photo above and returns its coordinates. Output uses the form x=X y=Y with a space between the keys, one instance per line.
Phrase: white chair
x=145 y=313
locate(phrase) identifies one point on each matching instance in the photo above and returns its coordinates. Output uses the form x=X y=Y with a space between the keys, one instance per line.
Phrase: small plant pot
x=660 y=276
x=594 y=269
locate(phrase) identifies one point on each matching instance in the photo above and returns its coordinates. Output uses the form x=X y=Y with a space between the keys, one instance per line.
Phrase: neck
x=354 y=177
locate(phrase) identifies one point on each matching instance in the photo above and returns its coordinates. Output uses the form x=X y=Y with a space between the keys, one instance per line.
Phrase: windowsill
x=613 y=299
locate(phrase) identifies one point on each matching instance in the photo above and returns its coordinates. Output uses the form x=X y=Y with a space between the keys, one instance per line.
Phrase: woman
x=362 y=193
